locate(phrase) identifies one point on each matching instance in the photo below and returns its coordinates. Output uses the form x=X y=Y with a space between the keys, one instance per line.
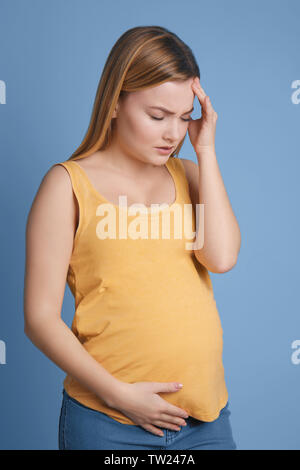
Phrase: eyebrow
x=170 y=112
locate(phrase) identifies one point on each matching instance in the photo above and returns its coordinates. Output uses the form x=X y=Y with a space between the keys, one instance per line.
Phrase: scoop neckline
x=143 y=210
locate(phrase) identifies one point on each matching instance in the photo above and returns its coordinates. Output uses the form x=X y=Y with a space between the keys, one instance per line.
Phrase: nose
x=172 y=133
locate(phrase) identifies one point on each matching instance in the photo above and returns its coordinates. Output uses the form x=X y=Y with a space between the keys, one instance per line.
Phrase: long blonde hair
x=143 y=57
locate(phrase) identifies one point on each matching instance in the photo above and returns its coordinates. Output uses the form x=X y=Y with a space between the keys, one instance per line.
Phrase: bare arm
x=50 y=229
x=222 y=237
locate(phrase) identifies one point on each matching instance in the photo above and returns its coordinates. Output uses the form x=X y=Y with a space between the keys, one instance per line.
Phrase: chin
x=161 y=160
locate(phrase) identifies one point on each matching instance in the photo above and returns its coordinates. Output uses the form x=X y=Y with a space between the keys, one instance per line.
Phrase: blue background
x=52 y=55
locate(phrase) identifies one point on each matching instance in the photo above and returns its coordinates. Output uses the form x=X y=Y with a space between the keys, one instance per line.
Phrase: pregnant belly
x=159 y=348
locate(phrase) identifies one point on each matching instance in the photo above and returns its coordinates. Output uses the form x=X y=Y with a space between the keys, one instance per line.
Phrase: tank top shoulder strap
x=76 y=179
x=82 y=195
x=176 y=167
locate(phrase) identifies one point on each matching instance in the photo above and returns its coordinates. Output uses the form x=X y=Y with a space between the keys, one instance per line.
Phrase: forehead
x=174 y=95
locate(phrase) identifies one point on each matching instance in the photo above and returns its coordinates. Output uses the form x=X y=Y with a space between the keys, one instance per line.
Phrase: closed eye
x=160 y=119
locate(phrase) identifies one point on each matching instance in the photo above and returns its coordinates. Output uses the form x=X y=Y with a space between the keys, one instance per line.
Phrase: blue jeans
x=82 y=428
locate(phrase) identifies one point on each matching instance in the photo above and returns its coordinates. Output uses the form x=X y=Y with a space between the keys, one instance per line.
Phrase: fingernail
x=179 y=385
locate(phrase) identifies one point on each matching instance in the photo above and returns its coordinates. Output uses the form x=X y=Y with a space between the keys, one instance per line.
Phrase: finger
x=174 y=411
x=209 y=110
x=204 y=103
x=206 y=106
x=167 y=419
x=199 y=93
x=200 y=88
x=197 y=85
x=168 y=425
x=153 y=429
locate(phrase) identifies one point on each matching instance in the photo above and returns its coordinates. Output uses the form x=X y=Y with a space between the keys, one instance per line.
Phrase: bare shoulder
x=55 y=180
x=53 y=202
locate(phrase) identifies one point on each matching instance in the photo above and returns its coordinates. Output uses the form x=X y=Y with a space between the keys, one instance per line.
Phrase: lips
x=165 y=148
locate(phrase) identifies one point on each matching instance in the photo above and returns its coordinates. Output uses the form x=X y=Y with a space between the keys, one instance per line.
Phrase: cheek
x=143 y=130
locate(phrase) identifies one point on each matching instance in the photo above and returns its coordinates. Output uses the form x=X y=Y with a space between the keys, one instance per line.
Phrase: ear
x=116 y=110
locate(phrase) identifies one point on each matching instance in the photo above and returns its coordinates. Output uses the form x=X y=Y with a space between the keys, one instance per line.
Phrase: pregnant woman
x=134 y=229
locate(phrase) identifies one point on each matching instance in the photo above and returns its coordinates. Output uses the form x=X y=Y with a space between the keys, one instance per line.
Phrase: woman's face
x=140 y=126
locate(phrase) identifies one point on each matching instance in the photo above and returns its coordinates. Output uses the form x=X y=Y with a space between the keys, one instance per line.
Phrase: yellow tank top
x=144 y=305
